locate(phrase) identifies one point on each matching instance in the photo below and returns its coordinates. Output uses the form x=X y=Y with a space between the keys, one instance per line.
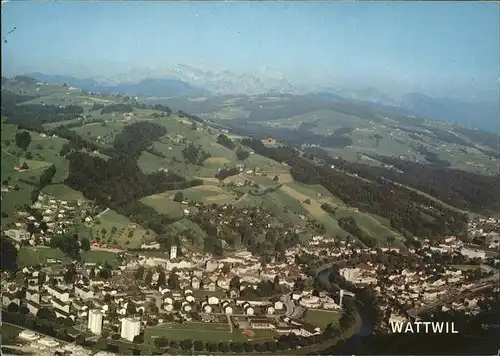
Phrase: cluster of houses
x=204 y=293
x=406 y=287
x=487 y=227
x=49 y=216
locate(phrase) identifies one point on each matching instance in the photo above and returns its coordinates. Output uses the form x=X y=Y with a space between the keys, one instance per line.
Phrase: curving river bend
x=365 y=329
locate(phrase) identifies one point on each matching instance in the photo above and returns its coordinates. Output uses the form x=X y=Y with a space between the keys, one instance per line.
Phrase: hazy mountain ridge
x=480 y=115
x=185 y=80
x=149 y=87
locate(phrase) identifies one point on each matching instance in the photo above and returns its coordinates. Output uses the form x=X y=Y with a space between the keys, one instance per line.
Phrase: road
x=103 y=212
x=114 y=250
x=292 y=311
x=240 y=199
x=230 y=323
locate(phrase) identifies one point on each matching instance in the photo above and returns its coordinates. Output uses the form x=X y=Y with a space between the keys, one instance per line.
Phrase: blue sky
x=432 y=47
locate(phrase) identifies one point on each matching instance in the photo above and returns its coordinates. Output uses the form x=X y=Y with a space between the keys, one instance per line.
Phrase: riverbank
x=364 y=327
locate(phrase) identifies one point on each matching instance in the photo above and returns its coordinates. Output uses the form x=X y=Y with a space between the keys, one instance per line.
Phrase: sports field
x=321 y=318
x=194 y=331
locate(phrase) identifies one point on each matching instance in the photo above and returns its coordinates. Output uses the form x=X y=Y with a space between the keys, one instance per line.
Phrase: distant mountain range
x=480 y=115
x=187 y=81
x=146 y=88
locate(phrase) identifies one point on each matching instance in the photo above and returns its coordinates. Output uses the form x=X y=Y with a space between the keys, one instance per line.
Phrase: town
x=164 y=299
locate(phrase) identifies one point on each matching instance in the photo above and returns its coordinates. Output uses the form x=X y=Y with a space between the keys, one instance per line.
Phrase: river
x=365 y=329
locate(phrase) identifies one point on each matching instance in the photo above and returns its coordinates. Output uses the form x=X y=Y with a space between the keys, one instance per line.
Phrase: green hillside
x=284 y=198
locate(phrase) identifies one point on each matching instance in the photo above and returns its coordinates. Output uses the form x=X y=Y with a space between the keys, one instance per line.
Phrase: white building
x=173 y=252
x=131 y=327
x=84 y=292
x=58 y=293
x=95 y=321
x=29 y=335
x=473 y=253
x=350 y=274
x=49 y=342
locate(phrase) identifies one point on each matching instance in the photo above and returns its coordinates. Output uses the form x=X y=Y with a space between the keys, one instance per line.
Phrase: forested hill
x=463 y=190
x=409 y=212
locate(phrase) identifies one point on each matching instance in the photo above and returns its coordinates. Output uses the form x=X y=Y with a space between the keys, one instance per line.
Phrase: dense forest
x=461 y=189
x=469 y=191
x=227 y=172
x=225 y=141
x=119 y=184
x=33 y=116
x=343 y=131
x=242 y=154
x=137 y=137
x=118 y=179
x=183 y=114
x=163 y=108
x=408 y=212
x=120 y=108
x=292 y=138
x=195 y=154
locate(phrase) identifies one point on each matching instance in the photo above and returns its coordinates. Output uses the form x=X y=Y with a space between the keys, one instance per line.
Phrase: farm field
x=192 y=229
x=313 y=190
x=369 y=224
x=263 y=334
x=13 y=198
x=106 y=133
x=8 y=132
x=265 y=181
x=44 y=149
x=29 y=256
x=314 y=208
x=100 y=257
x=115 y=229
x=63 y=192
x=321 y=318
x=375 y=227
x=207 y=194
x=163 y=204
x=149 y=163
